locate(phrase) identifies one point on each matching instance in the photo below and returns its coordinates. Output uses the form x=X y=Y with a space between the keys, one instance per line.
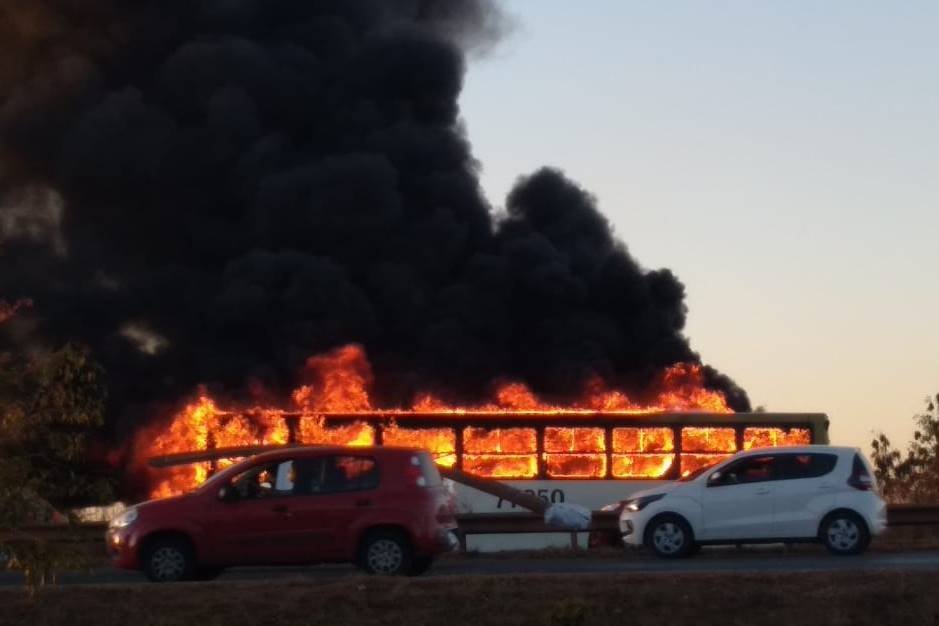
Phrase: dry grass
x=702 y=600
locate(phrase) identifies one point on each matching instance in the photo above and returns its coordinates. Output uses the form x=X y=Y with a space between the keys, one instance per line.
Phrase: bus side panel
x=593 y=494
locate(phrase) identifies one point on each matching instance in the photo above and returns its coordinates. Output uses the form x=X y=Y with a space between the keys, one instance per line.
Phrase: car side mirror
x=714 y=479
x=227 y=493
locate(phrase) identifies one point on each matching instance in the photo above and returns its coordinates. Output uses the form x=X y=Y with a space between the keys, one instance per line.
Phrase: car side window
x=337 y=474
x=265 y=481
x=753 y=469
x=809 y=465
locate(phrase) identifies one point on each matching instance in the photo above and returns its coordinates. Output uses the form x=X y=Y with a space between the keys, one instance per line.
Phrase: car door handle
x=363 y=502
x=763 y=491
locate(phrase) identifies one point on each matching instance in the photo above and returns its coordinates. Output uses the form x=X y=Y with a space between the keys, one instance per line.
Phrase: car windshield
x=689 y=477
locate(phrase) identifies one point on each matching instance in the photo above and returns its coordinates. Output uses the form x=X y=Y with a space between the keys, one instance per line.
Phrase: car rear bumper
x=878 y=521
x=436 y=541
x=447 y=541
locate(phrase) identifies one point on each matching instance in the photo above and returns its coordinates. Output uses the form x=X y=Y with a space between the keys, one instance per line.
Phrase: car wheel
x=420 y=565
x=169 y=560
x=670 y=537
x=386 y=553
x=845 y=533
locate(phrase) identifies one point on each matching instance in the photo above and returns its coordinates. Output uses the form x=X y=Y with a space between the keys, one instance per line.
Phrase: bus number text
x=549 y=496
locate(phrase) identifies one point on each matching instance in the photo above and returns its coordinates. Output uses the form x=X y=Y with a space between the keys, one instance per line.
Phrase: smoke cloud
x=211 y=192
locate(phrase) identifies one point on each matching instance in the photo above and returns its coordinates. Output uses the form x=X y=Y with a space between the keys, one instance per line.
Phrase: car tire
x=670 y=537
x=169 y=560
x=420 y=565
x=844 y=533
x=386 y=553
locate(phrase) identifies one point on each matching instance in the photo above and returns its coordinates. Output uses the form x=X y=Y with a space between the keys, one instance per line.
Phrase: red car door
x=257 y=524
x=333 y=492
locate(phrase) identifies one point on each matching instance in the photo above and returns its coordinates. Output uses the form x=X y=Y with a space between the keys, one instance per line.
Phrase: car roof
x=816 y=448
x=293 y=452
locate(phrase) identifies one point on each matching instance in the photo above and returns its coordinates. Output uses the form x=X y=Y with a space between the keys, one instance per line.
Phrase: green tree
x=50 y=408
x=913 y=477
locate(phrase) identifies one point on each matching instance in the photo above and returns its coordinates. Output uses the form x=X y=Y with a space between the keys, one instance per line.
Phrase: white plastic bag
x=568 y=516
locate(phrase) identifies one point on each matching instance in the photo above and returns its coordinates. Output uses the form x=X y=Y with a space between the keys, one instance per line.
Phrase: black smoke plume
x=212 y=191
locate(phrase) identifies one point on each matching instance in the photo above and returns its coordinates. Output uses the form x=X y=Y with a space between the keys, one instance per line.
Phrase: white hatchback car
x=767 y=495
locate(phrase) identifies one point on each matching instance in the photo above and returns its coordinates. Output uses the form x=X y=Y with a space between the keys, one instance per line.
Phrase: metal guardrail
x=603 y=522
x=498 y=523
x=79 y=533
x=512 y=523
x=912 y=514
x=476 y=524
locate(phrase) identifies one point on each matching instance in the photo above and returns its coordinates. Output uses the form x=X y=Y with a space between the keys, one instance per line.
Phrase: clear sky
x=780 y=157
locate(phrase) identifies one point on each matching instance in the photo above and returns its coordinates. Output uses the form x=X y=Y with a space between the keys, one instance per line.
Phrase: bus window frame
x=539 y=422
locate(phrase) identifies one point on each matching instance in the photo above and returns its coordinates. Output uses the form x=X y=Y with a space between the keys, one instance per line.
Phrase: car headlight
x=125 y=519
x=637 y=504
x=615 y=506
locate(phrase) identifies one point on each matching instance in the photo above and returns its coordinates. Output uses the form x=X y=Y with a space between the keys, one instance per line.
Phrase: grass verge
x=579 y=600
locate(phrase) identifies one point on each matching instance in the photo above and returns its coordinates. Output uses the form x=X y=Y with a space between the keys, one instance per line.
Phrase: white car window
x=806 y=465
x=752 y=469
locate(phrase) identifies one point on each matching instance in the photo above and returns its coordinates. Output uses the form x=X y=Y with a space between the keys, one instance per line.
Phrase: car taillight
x=860 y=478
x=415 y=472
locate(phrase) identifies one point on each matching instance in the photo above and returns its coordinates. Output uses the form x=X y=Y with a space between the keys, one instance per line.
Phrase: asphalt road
x=707 y=562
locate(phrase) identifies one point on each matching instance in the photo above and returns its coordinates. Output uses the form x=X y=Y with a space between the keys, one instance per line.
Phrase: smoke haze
x=211 y=192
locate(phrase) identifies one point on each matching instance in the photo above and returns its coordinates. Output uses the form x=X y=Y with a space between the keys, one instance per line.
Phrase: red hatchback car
x=385 y=509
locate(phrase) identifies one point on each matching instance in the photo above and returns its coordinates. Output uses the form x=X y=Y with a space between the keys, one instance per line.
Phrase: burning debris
x=211 y=192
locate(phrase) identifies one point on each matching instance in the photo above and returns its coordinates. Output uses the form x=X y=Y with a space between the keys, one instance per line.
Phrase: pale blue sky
x=778 y=156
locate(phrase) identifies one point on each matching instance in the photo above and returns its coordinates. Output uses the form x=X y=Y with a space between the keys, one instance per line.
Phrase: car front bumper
x=629 y=531
x=121 y=546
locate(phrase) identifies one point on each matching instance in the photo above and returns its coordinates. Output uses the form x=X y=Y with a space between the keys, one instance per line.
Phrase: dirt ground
x=581 y=600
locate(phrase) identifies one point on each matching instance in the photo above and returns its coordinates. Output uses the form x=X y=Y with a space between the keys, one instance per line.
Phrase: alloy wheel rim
x=843 y=534
x=385 y=556
x=668 y=538
x=168 y=563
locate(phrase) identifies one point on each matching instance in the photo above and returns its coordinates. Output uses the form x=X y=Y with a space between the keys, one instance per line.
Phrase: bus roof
x=690 y=417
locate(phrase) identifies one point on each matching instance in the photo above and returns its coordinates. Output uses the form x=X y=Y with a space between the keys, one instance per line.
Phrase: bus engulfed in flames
x=514 y=437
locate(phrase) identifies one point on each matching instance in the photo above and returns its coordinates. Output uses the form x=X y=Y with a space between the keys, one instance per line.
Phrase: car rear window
x=808 y=465
x=337 y=474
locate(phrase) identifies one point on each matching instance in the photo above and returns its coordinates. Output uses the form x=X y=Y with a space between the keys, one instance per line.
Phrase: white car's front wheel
x=670 y=537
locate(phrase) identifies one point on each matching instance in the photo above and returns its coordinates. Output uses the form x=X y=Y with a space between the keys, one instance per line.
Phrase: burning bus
x=593 y=452
x=589 y=457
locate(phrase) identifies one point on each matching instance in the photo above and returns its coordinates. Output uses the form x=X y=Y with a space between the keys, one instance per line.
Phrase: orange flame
x=338 y=383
